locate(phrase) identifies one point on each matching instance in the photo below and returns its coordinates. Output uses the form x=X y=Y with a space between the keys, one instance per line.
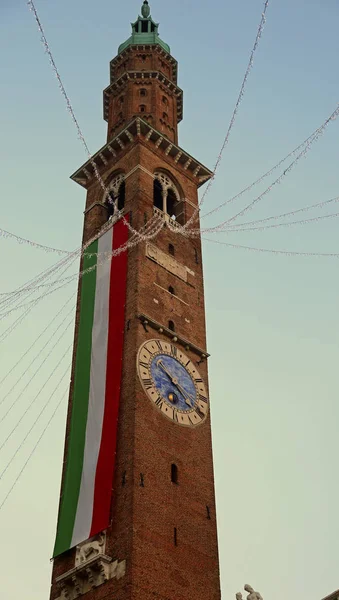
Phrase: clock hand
x=162 y=366
x=187 y=397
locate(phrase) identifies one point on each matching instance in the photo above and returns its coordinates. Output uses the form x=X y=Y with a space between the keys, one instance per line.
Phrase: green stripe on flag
x=76 y=443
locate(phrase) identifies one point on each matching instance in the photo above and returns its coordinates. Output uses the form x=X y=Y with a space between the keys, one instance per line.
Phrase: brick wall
x=144 y=518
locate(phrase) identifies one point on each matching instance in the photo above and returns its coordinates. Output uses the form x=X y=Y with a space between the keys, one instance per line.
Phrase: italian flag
x=87 y=487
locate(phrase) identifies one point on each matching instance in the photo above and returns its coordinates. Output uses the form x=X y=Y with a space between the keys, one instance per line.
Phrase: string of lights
x=30 y=306
x=311 y=140
x=104 y=255
x=288 y=224
x=70 y=109
x=47 y=403
x=36 y=397
x=264 y=227
x=235 y=111
x=259 y=180
x=272 y=251
x=10 y=297
x=50 y=323
x=284 y=215
x=279 y=179
x=34 y=449
x=16 y=382
x=30 y=381
x=21 y=240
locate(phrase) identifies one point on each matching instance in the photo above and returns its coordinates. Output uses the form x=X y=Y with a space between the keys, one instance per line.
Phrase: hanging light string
x=284 y=215
x=106 y=256
x=249 y=207
x=66 y=329
x=70 y=109
x=235 y=111
x=272 y=251
x=8 y=235
x=259 y=180
x=50 y=323
x=7 y=298
x=17 y=381
x=288 y=224
x=31 y=304
x=264 y=227
x=65 y=394
x=153 y=226
x=45 y=406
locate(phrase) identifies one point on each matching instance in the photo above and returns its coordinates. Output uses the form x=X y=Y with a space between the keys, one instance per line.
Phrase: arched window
x=171 y=325
x=121 y=100
x=171 y=290
x=165 y=116
x=157 y=195
x=171 y=249
x=174 y=473
x=164 y=100
x=166 y=198
x=143 y=92
x=142 y=108
x=115 y=200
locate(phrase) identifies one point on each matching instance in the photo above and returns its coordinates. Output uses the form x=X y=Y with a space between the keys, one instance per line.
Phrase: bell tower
x=137 y=518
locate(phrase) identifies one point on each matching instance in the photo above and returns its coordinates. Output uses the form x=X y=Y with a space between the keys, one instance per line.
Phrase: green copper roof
x=144 y=31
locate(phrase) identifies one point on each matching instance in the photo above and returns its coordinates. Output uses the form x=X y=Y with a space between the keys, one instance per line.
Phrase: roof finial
x=145 y=10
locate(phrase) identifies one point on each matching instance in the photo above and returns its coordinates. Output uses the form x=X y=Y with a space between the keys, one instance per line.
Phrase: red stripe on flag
x=116 y=326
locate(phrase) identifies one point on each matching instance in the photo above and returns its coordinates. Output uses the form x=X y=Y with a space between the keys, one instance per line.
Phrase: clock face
x=172 y=382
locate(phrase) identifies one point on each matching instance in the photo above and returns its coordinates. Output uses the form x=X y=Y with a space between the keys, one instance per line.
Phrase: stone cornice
x=174 y=336
x=138 y=129
x=144 y=48
x=143 y=76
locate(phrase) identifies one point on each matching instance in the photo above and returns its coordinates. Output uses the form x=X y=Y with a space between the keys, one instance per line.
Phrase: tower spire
x=145 y=9
x=144 y=31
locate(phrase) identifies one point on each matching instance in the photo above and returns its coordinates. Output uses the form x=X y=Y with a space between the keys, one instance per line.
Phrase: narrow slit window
x=171 y=325
x=208 y=512
x=171 y=290
x=175 y=536
x=174 y=473
x=142 y=108
x=171 y=249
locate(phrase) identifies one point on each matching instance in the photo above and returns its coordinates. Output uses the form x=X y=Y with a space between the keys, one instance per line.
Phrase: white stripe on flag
x=83 y=519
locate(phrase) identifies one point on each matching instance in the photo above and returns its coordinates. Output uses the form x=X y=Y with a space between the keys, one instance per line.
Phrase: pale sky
x=272 y=320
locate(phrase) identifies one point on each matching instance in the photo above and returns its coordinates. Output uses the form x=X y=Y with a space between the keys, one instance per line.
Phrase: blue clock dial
x=172 y=382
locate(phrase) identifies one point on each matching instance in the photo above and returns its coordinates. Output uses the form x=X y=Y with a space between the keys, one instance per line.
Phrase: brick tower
x=137 y=515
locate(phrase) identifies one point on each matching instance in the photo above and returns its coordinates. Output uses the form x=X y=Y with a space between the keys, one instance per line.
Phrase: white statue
x=252 y=594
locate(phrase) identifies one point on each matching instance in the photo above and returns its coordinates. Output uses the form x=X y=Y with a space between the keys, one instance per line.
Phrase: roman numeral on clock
x=200 y=412
x=147 y=383
x=143 y=364
x=202 y=398
x=159 y=402
x=174 y=351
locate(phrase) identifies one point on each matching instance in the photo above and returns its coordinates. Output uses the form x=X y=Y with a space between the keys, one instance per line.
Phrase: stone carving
x=166 y=261
x=252 y=594
x=92 y=568
x=89 y=549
